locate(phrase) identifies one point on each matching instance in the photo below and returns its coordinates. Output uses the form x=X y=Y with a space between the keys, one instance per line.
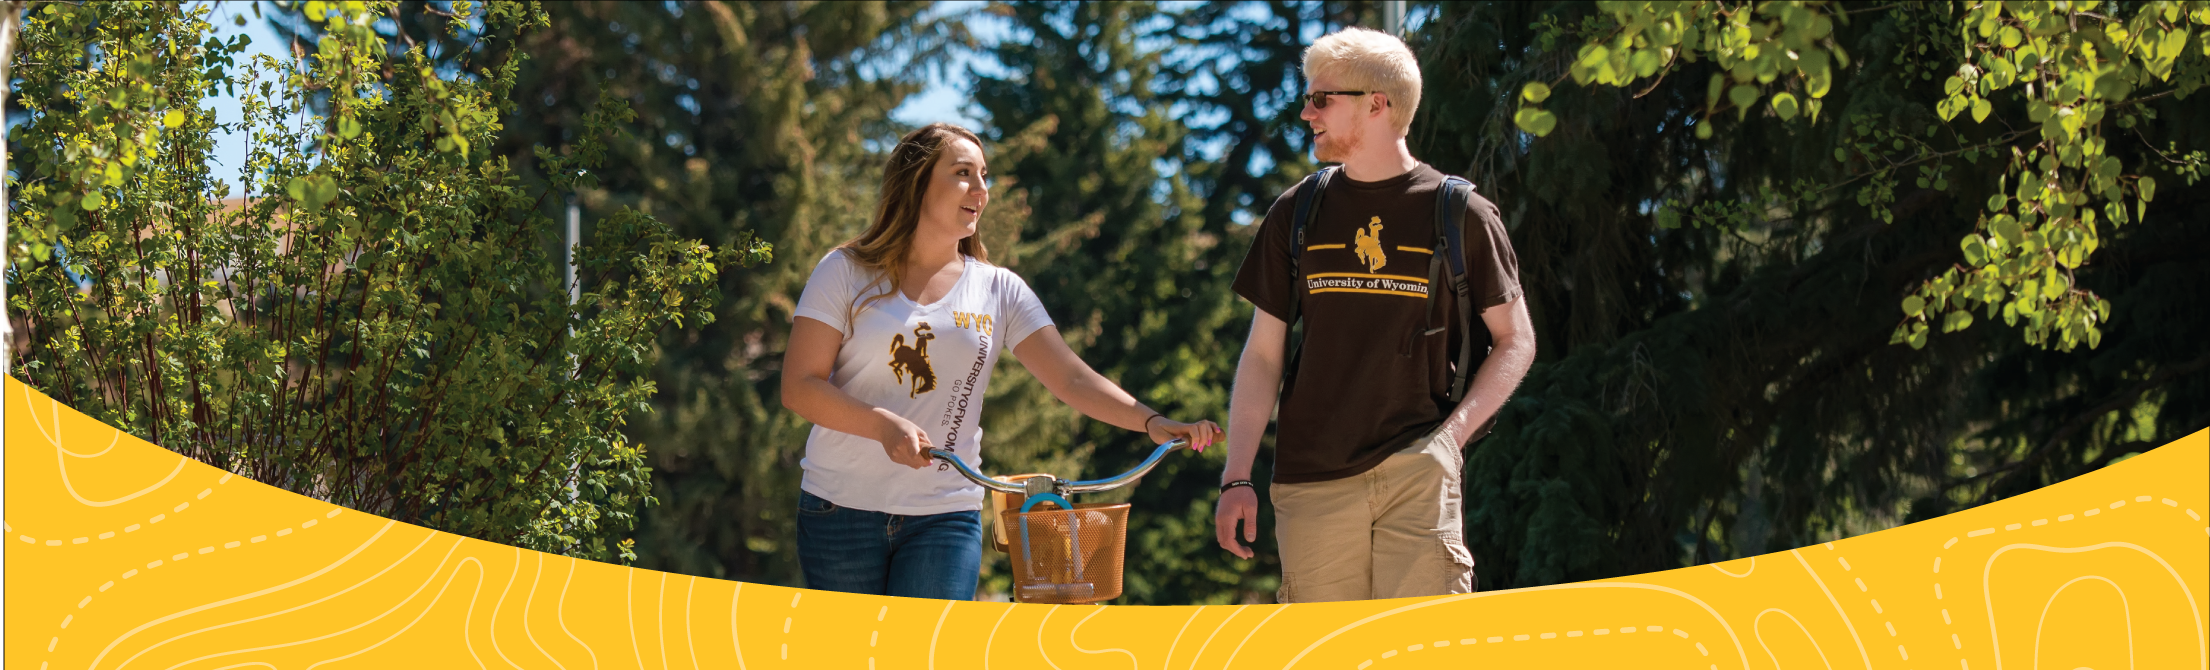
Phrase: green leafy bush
x=2065 y=67
x=382 y=321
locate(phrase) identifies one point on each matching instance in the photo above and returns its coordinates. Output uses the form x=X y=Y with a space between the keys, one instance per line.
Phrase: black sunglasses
x=1319 y=99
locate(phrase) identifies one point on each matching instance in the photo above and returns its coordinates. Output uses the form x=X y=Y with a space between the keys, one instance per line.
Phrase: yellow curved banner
x=122 y=555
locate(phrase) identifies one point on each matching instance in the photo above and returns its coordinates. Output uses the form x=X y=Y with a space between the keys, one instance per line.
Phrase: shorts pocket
x=1458 y=560
x=1288 y=592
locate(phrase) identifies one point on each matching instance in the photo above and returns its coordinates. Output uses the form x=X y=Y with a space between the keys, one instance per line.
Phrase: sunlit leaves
x=313 y=192
x=1975 y=250
x=380 y=325
x=1784 y=106
x=1742 y=95
x=1538 y=122
x=2068 y=67
x=1758 y=44
x=1535 y=120
x=1535 y=92
x=1956 y=321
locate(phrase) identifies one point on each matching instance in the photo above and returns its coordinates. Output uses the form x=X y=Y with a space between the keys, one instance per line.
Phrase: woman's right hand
x=906 y=444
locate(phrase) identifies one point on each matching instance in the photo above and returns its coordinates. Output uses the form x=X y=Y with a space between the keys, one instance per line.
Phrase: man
x=1366 y=486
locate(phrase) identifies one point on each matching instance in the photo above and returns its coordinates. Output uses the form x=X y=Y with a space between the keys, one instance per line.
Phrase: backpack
x=1450 y=207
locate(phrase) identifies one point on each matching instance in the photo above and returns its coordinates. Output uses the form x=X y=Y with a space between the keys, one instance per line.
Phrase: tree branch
x=2015 y=470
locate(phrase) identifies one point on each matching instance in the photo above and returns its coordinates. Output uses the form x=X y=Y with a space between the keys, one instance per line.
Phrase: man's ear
x=1380 y=104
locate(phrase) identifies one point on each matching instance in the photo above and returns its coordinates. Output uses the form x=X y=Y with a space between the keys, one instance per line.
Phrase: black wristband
x=1147 y=420
x=1244 y=483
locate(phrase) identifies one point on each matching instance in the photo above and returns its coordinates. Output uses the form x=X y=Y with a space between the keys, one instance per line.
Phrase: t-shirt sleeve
x=1264 y=278
x=1024 y=312
x=1492 y=268
x=830 y=291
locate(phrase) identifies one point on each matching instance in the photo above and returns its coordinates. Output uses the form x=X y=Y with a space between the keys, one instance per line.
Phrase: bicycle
x=1068 y=556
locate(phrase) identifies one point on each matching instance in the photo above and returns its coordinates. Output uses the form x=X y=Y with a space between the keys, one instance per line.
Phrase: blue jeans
x=914 y=556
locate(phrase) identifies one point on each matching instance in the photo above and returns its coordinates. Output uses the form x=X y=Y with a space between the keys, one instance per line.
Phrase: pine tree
x=1116 y=244
x=756 y=121
x=761 y=119
x=1718 y=378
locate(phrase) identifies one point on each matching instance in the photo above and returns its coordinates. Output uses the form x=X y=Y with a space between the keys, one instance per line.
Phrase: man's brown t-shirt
x=1369 y=373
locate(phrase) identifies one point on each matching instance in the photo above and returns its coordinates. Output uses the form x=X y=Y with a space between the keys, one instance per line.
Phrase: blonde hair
x=1370 y=60
x=905 y=181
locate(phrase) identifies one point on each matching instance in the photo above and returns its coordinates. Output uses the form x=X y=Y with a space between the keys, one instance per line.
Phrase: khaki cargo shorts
x=1391 y=532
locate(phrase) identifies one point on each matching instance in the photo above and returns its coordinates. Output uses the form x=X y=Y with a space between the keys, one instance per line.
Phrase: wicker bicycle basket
x=1066 y=556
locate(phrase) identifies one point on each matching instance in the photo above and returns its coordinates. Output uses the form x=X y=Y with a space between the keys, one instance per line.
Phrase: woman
x=890 y=355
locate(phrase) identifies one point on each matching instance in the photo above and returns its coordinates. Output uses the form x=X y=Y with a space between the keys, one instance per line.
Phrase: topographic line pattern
x=149 y=561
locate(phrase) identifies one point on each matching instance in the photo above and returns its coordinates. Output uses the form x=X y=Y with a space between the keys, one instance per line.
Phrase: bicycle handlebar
x=1061 y=486
x=976 y=477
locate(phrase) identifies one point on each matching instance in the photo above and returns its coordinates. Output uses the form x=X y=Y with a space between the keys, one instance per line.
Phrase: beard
x=1335 y=146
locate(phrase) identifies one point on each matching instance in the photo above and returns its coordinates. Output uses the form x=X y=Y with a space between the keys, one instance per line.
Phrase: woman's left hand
x=1200 y=435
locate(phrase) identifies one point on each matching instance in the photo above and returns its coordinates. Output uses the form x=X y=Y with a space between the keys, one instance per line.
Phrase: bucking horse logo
x=1368 y=245
x=913 y=360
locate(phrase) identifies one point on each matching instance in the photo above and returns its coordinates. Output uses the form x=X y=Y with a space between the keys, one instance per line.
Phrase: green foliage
x=1752 y=44
x=1118 y=250
x=379 y=323
x=790 y=101
x=1711 y=290
x=1713 y=296
x=756 y=123
x=2087 y=65
x=2067 y=64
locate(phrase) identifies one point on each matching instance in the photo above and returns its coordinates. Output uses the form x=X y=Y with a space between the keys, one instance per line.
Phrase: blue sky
x=230 y=148
x=945 y=98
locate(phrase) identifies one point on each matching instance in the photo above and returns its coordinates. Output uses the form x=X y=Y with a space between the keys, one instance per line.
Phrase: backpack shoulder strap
x=1450 y=233
x=1451 y=210
x=1309 y=193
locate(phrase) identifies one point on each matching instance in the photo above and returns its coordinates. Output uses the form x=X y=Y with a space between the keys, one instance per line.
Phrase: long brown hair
x=905 y=179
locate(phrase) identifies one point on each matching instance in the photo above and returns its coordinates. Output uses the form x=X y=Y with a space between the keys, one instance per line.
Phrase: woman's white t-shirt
x=928 y=363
